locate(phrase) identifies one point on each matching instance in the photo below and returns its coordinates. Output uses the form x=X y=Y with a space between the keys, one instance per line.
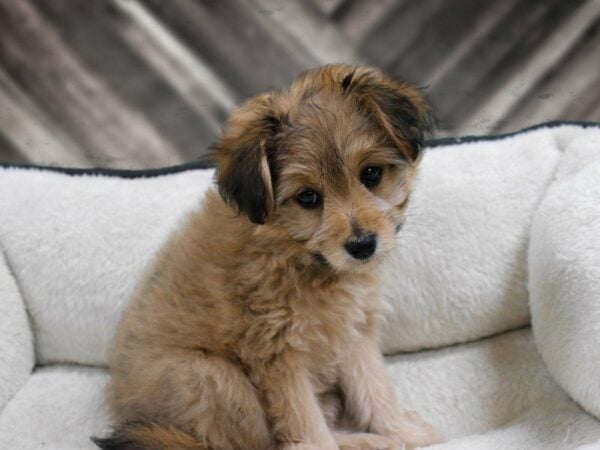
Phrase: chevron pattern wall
x=146 y=83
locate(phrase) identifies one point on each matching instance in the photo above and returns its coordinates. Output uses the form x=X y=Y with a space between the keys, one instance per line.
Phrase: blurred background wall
x=146 y=83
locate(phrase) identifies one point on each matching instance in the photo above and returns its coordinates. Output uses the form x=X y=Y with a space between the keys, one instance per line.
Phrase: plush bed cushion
x=564 y=263
x=460 y=269
x=78 y=244
x=77 y=241
x=59 y=408
x=492 y=394
x=74 y=242
x=16 y=339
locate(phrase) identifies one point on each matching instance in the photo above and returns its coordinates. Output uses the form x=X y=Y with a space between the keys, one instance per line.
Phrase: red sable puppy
x=256 y=327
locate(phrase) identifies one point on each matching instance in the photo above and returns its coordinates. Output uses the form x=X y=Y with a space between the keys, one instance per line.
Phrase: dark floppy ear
x=399 y=108
x=242 y=153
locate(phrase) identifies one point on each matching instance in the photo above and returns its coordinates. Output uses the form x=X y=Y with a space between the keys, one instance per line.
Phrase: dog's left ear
x=242 y=154
x=399 y=108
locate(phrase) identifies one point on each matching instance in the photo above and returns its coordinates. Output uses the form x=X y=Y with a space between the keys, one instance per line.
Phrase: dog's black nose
x=361 y=246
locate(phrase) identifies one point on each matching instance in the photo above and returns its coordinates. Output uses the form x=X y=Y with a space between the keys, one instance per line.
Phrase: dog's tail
x=142 y=436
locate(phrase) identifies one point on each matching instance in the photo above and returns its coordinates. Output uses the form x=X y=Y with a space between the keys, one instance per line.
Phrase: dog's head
x=330 y=160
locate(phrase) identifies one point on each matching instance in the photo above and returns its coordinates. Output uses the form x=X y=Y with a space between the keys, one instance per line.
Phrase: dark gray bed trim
x=206 y=164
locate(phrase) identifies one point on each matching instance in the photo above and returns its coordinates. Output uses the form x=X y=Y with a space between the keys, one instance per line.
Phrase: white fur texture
x=77 y=246
x=460 y=270
x=494 y=394
x=16 y=340
x=59 y=408
x=458 y=274
x=74 y=246
x=564 y=264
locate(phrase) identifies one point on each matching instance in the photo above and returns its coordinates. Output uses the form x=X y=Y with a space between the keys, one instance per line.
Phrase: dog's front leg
x=296 y=417
x=371 y=400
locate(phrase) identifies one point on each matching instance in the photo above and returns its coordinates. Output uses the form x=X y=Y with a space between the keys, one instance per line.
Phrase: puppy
x=257 y=326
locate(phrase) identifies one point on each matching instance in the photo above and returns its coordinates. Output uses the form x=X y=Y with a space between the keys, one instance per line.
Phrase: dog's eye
x=309 y=199
x=371 y=176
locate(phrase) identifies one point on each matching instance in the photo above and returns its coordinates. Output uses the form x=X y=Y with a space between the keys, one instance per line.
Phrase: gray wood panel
x=93 y=31
x=144 y=83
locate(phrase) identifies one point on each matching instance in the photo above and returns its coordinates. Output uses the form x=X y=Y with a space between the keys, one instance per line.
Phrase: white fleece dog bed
x=75 y=241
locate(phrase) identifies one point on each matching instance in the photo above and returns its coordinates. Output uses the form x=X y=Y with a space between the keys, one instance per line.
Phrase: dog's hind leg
x=206 y=397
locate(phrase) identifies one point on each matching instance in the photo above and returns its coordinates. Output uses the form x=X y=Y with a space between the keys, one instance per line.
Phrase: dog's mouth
x=342 y=261
x=320 y=259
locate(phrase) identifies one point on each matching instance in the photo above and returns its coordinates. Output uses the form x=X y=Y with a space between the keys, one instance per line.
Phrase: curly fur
x=255 y=328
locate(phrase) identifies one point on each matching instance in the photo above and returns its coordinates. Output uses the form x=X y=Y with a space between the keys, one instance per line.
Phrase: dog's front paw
x=366 y=441
x=415 y=432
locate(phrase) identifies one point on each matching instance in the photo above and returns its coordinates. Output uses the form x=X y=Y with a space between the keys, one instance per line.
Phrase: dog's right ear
x=242 y=154
x=399 y=108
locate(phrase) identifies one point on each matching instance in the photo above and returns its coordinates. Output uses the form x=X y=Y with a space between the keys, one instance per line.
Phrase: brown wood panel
x=443 y=30
x=395 y=32
x=357 y=18
x=139 y=83
x=570 y=91
x=92 y=31
x=312 y=30
x=105 y=128
x=10 y=153
x=521 y=32
x=328 y=7
x=250 y=52
x=29 y=134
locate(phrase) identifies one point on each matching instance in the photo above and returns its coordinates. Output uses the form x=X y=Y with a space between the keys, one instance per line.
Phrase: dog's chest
x=319 y=321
